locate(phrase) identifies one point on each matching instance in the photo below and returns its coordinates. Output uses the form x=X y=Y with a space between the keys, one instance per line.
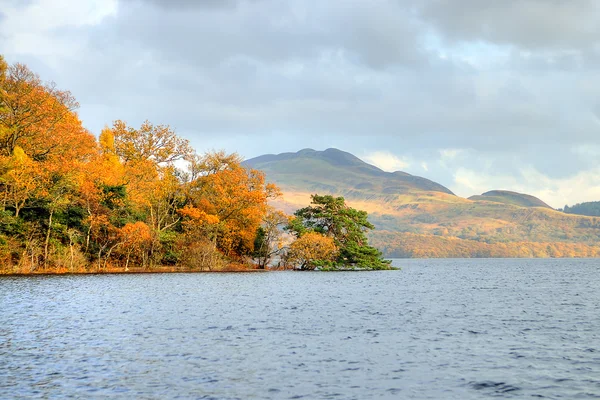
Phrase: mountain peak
x=337 y=172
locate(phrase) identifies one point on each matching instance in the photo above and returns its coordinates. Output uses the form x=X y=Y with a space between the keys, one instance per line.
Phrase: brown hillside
x=417 y=222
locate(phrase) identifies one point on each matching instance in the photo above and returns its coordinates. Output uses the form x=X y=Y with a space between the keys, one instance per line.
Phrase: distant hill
x=590 y=208
x=513 y=198
x=337 y=172
x=416 y=217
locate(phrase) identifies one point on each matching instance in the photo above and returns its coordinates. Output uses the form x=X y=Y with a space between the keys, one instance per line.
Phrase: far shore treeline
x=74 y=203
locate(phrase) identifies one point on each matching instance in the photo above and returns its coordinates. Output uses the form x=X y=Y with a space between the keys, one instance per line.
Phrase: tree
x=197 y=246
x=57 y=194
x=330 y=216
x=155 y=192
x=37 y=117
x=268 y=241
x=158 y=143
x=64 y=194
x=21 y=181
x=106 y=237
x=102 y=189
x=234 y=197
x=260 y=252
x=135 y=239
x=311 y=250
x=154 y=187
x=3 y=69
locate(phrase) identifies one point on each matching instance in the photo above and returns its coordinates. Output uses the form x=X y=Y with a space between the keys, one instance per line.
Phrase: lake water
x=437 y=329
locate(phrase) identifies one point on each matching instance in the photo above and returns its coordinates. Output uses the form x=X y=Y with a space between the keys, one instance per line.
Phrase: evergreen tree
x=330 y=216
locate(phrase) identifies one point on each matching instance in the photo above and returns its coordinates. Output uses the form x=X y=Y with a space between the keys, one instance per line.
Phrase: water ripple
x=467 y=329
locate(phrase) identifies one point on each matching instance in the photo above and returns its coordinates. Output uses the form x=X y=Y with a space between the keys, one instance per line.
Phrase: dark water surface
x=438 y=329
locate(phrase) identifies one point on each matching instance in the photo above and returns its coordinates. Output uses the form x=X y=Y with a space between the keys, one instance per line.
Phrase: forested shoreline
x=140 y=198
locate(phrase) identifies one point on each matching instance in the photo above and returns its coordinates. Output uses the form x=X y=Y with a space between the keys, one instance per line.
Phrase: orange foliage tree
x=38 y=117
x=158 y=143
x=309 y=248
x=43 y=146
x=153 y=184
x=136 y=239
x=102 y=185
x=234 y=196
x=269 y=240
x=68 y=198
x=21 y=180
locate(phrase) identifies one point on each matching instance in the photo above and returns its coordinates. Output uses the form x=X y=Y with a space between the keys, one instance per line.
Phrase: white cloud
x=45 y=15
x=468 y=182
x=386 y=161
x=584 y=186
x=450 y=154
x=40 y=28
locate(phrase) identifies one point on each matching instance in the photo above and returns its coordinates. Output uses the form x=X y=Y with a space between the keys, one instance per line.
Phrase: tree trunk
x=72 y=256
x=87 y=239
x=4 y=200
x=108 y=254
x=47 y=243
x=89 y=232
x=100 y=256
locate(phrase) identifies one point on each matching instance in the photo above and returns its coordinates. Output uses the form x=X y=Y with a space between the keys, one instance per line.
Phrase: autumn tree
x=43 y=148
x=311 y=250
x=68 y=198
x=106 y=236
x=330 y=216
x=147 y=155
x=62 y=169
x=135 y=239
x=3 y=69
x=102 y=190
x=21 y=180
x=154 y=188
x=269 y=237
x=197 y=246
x=58 y=192
x=157 y=143
x=235 y=197
x=36 y=116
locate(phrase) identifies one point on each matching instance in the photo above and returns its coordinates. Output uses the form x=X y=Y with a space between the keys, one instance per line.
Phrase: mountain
x=337 y=172
x=513 y=198
x=416 y=217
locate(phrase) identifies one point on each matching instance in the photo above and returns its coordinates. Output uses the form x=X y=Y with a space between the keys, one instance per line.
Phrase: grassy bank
x=93 y=270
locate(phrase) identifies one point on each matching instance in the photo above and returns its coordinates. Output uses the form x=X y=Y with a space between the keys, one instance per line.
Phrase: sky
x=476 y=95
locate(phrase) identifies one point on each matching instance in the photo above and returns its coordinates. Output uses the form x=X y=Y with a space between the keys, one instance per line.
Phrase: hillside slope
x=512 y=198
x=416 y=217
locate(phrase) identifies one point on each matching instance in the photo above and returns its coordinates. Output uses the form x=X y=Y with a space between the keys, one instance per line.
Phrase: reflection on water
x=436 y=329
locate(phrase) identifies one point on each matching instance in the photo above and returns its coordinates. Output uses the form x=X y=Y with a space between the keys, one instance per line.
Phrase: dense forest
x=135 y=198
x=412 y=245
x=591 y=209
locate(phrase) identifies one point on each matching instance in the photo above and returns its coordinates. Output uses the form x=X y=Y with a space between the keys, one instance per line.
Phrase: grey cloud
x=377 y=33
x=380 y=33
x=19 y=3
x=269 y=76
x=187 y=4
x=532 y=24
